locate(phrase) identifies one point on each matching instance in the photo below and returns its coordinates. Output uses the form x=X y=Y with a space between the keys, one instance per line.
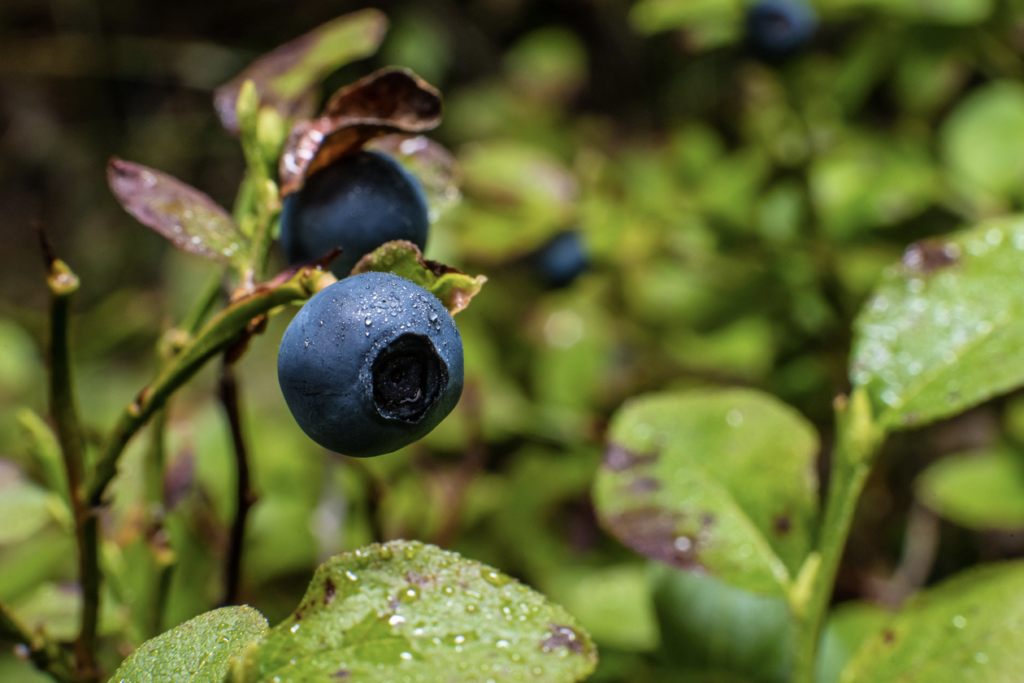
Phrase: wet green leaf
x=288 y=78
x=943 y=330
x=965 y=629
x=408 y=609
x=711 y=626
x=188 y=218
x=981 y=137
x=676 y=484
x=977 y=490
x=452 y=287
x=199 y=651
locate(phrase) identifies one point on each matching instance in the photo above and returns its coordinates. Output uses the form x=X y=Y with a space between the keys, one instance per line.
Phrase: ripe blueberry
x=357 y=203
x=561 y=260
x=370 y=364
x=777 y=28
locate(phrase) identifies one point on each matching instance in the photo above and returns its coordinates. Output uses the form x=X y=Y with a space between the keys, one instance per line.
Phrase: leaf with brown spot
x=697 y=479
x=391 y=100
x=184 y=215
x=409 y=610
x=943 y=330
x=289 y=77
x=451 y=286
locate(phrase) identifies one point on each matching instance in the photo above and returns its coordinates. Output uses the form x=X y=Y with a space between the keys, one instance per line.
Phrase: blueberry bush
x=613 y=341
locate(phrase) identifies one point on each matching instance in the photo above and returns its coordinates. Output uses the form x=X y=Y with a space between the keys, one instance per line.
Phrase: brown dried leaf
x=288 y=78
x=387 y=101
x=184 y=215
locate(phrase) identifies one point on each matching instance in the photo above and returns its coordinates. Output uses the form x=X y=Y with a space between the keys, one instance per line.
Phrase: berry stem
x=245 y=496
x=221 y=332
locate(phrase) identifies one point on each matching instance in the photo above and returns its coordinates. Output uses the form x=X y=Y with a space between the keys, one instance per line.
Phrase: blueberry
x=778 y=28
x=357 y=203
x=561 y=260
x=370 y=364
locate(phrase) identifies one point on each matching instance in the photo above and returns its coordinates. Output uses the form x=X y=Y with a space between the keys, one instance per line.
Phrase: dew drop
x=351 y=576
x=501 y=643
x=406 y=656
x=396 y=620
x=734 y=418
x=295 y=628
x=368 y=322
x=682 y=544
x=959 y=621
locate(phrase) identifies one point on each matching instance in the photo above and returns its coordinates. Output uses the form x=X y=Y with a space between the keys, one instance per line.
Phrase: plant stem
x=63 y=284
x=245 y=497
x=223 y=330
x=858 y=441
x=45 y=653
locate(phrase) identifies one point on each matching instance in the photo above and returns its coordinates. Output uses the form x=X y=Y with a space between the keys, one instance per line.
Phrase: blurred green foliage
x=736 y=212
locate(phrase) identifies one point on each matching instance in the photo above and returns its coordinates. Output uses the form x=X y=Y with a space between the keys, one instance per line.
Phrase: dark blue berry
x=778 y=28
x=357 y=203
x=370 y=364
x=561 y=260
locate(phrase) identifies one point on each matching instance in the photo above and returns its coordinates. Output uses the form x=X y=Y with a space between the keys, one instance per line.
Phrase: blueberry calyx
x=408 y=375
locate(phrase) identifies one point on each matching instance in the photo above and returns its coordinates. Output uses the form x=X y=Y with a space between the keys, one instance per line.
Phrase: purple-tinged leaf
x=429 y=161
x=179 y=212
x=289 y=77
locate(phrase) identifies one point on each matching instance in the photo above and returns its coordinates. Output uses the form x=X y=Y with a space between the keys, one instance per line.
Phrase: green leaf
x=943 y=330
x=198 y=651
x=848 y=626
x=191 y=220
x=945 y=12
x=409 y=610
x=980 y=138
x=676 y=484
x=614 y=604
x=289 y=77
x=45 y=452
x=452 y=287
x=652 y=16
x=965 y=629
x=57 y=610
x=982 y=490
x=708 y=625
x=24 y=507
x=869 y=183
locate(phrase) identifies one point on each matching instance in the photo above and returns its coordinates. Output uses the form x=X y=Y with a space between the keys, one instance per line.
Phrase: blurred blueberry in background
x=777 y=28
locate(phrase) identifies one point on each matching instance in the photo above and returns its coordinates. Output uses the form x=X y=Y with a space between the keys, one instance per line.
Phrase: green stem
x=63 y=284
x=223 y=330
x=45 y=653
x=858 y=441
